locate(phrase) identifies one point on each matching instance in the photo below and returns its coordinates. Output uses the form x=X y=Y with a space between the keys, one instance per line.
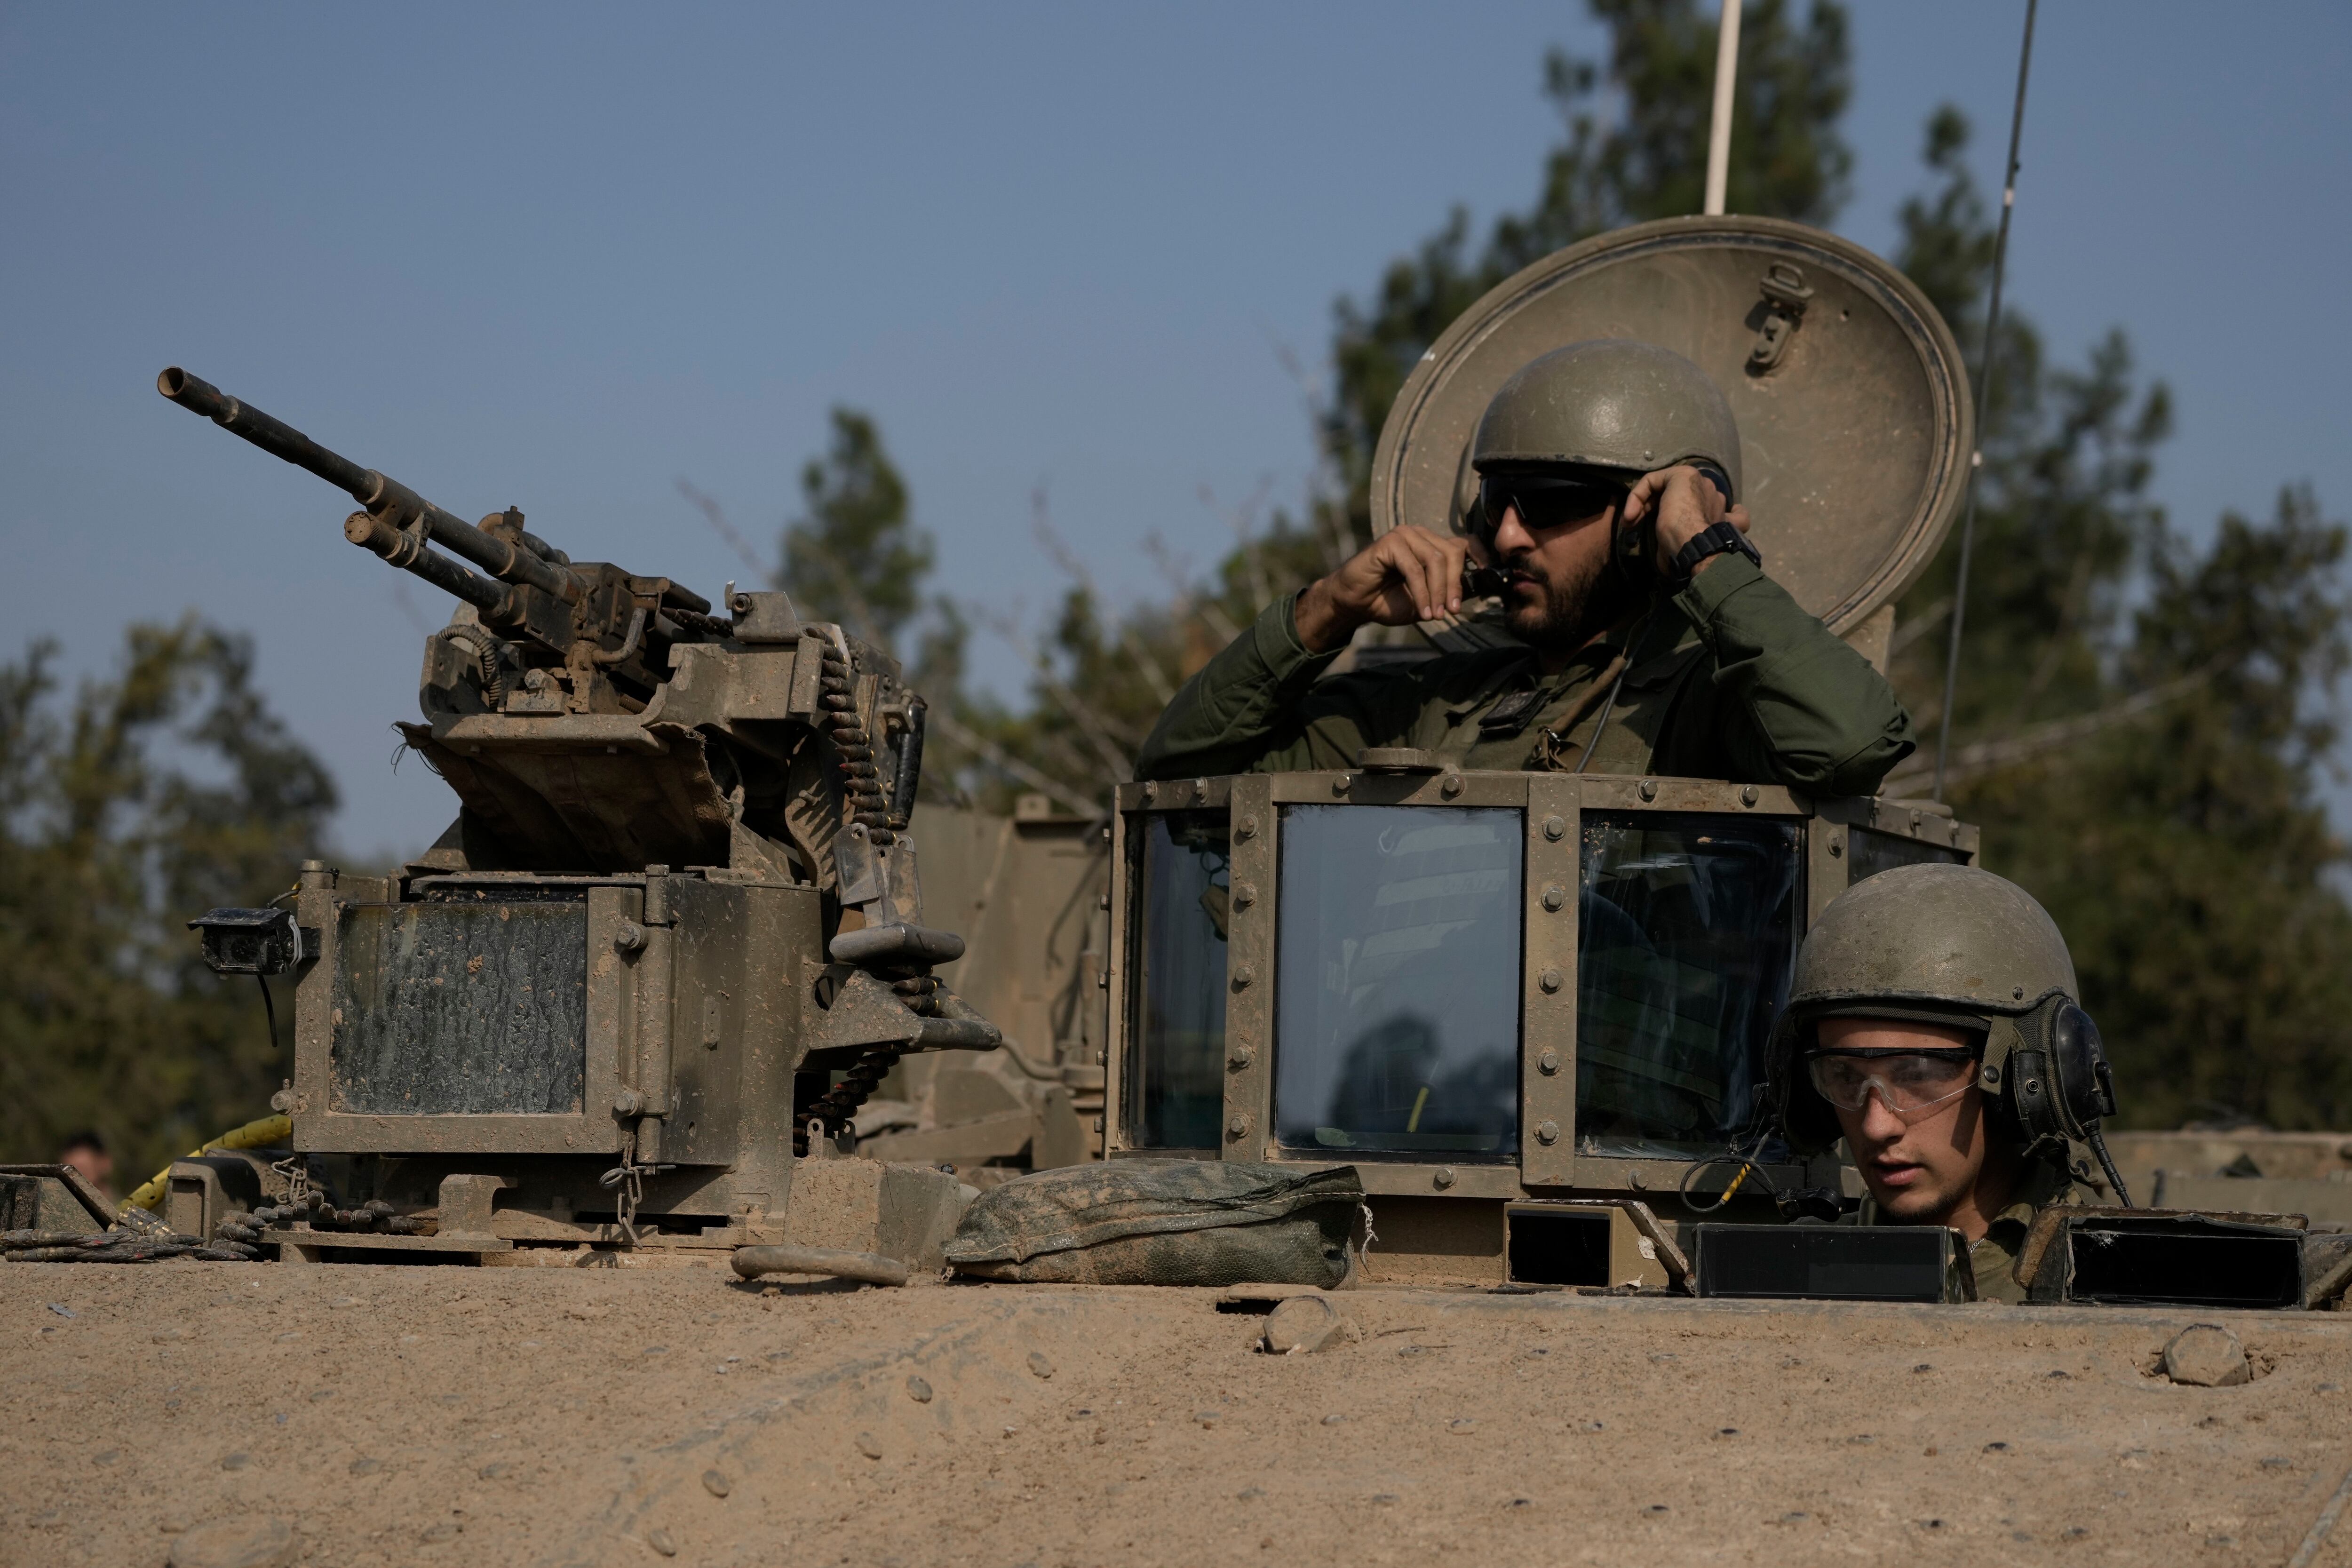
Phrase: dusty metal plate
x=1854 y=445
x=475 y=1009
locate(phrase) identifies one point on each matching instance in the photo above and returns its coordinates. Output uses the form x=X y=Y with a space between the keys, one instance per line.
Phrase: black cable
x=1984 y=404
x=2099 y=1147
x=269 y=1007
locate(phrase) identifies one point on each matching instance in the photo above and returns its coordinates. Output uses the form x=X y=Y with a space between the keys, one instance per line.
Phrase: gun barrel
x=274 y=436
x=510 y=563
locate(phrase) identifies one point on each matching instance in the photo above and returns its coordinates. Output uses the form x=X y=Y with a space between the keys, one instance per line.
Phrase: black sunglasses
x=1544 y=501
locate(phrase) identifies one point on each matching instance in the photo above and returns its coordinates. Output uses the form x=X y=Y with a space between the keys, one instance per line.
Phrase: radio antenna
x=1984 y=399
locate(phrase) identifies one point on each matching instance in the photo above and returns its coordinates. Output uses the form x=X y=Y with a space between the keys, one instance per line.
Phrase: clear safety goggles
x=1911 y=1084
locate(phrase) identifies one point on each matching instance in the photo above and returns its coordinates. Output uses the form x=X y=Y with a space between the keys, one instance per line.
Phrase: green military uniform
x=1728 y=678
x=1992 y=1256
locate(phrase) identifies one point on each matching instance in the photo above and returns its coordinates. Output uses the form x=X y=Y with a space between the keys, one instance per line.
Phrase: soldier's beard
x=1558 y=615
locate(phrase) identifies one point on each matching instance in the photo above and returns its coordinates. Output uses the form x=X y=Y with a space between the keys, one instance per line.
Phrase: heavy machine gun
x=677 y=919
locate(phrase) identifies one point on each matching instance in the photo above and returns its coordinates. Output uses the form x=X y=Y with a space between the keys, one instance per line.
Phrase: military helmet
x=1613 y=404
x=1952 y=945
x=1945 y=938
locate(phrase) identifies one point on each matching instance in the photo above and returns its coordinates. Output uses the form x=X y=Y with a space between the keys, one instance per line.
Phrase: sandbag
x=1163 y=1221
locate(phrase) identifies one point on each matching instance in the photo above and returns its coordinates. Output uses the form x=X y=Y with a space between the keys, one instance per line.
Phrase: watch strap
x=1715 y=540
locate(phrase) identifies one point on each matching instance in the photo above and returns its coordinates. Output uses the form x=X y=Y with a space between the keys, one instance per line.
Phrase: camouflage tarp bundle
x=1163 y=1221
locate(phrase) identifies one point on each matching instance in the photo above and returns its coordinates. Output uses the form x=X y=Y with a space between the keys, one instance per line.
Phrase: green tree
x=124 y=810
x=2139 y=723
x=855 y=556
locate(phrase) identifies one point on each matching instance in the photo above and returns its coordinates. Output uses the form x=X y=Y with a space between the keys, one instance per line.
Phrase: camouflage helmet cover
x=1609 y=403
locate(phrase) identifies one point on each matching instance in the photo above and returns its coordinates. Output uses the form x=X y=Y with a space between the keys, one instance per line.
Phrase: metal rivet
x=1152 y=792
x=1244 y=895
x=1992 y=1075
x=1649 y=790
x=629 y=936
x=1547 y=1063
x=1749 y=795
x=2016 y=993
x=1243 y=976
x=1245 y=828
x=1239 y=1056
x=1340 y=785
x=1554 y=896
x=1547 y=1132
x=1451 y=786
x=1237 y=1125
x=1550 y=979
x=1554 y=828
x=1444 y=1178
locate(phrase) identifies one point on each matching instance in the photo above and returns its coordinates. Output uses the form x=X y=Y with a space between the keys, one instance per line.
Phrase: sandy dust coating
x=403 y=1415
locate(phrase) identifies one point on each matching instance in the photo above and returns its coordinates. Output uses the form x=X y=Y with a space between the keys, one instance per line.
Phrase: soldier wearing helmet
x=1650 y=640
x=1934 y=1023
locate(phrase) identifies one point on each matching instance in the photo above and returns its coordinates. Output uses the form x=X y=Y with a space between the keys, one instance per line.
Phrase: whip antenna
x=1719 y=134
x=1984 y=396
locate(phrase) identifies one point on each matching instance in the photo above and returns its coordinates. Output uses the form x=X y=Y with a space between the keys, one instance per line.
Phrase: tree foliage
x=2140 y=724
x=125 y=808
x=855 y=555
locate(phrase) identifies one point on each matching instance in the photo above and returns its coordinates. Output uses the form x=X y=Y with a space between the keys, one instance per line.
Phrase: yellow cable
x=260 y=1134
x=1734 y=1187
x=1413 y=1122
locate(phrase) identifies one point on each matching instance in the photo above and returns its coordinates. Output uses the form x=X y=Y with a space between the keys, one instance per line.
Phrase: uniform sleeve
x=1801 y=707
x=1258 y=707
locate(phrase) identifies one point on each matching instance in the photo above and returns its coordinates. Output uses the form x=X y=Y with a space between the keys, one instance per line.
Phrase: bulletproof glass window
x=1397 y=981
x=1175 y=1075
x=1870 y=853
x=1686 y=938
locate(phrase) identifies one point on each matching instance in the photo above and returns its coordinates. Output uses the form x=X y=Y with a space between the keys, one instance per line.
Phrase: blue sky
x=562 y=257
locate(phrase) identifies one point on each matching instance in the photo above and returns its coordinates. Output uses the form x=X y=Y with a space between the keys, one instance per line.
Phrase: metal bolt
x=1749 y=794
x=1151 y=792
x=1237 y=1125
x=1649 y=790
x=1837 y=846
x=1241 y=1056
x=1549 y=1063
x=1444 y=1178
x=629 y=936
x=1547 y=1132
x=1245 y=828
x=1243 y=976
x=1451 y=786
x=1554 y=828
x=1635 y=1180
x=1550 y=979
x=628 y=1102
x=1102 y=981
x=1340 y=785
x=1244 y=895
x=1554 y=896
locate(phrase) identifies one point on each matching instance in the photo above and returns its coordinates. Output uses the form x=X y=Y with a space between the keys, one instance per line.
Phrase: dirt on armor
x=403 y=1415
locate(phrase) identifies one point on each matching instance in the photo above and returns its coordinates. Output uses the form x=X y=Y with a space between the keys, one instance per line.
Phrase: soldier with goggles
x=1934 y=1024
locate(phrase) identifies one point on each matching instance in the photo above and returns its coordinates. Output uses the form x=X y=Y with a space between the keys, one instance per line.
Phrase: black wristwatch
x=1711 y=541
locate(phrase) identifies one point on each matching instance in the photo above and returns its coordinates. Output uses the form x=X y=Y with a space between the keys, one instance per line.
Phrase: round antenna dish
x=1855 y=423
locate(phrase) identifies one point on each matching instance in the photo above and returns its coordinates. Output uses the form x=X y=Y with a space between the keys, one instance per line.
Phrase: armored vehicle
x=672 y=941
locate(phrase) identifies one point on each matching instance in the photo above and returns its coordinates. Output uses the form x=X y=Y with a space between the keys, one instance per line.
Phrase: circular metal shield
x=1855 y=423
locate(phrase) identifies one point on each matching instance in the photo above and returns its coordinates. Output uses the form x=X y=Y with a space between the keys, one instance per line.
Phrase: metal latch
x=1786 y=294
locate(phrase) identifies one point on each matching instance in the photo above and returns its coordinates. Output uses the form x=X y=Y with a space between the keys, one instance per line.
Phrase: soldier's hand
x=1687 y=504
x=1407 y=574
